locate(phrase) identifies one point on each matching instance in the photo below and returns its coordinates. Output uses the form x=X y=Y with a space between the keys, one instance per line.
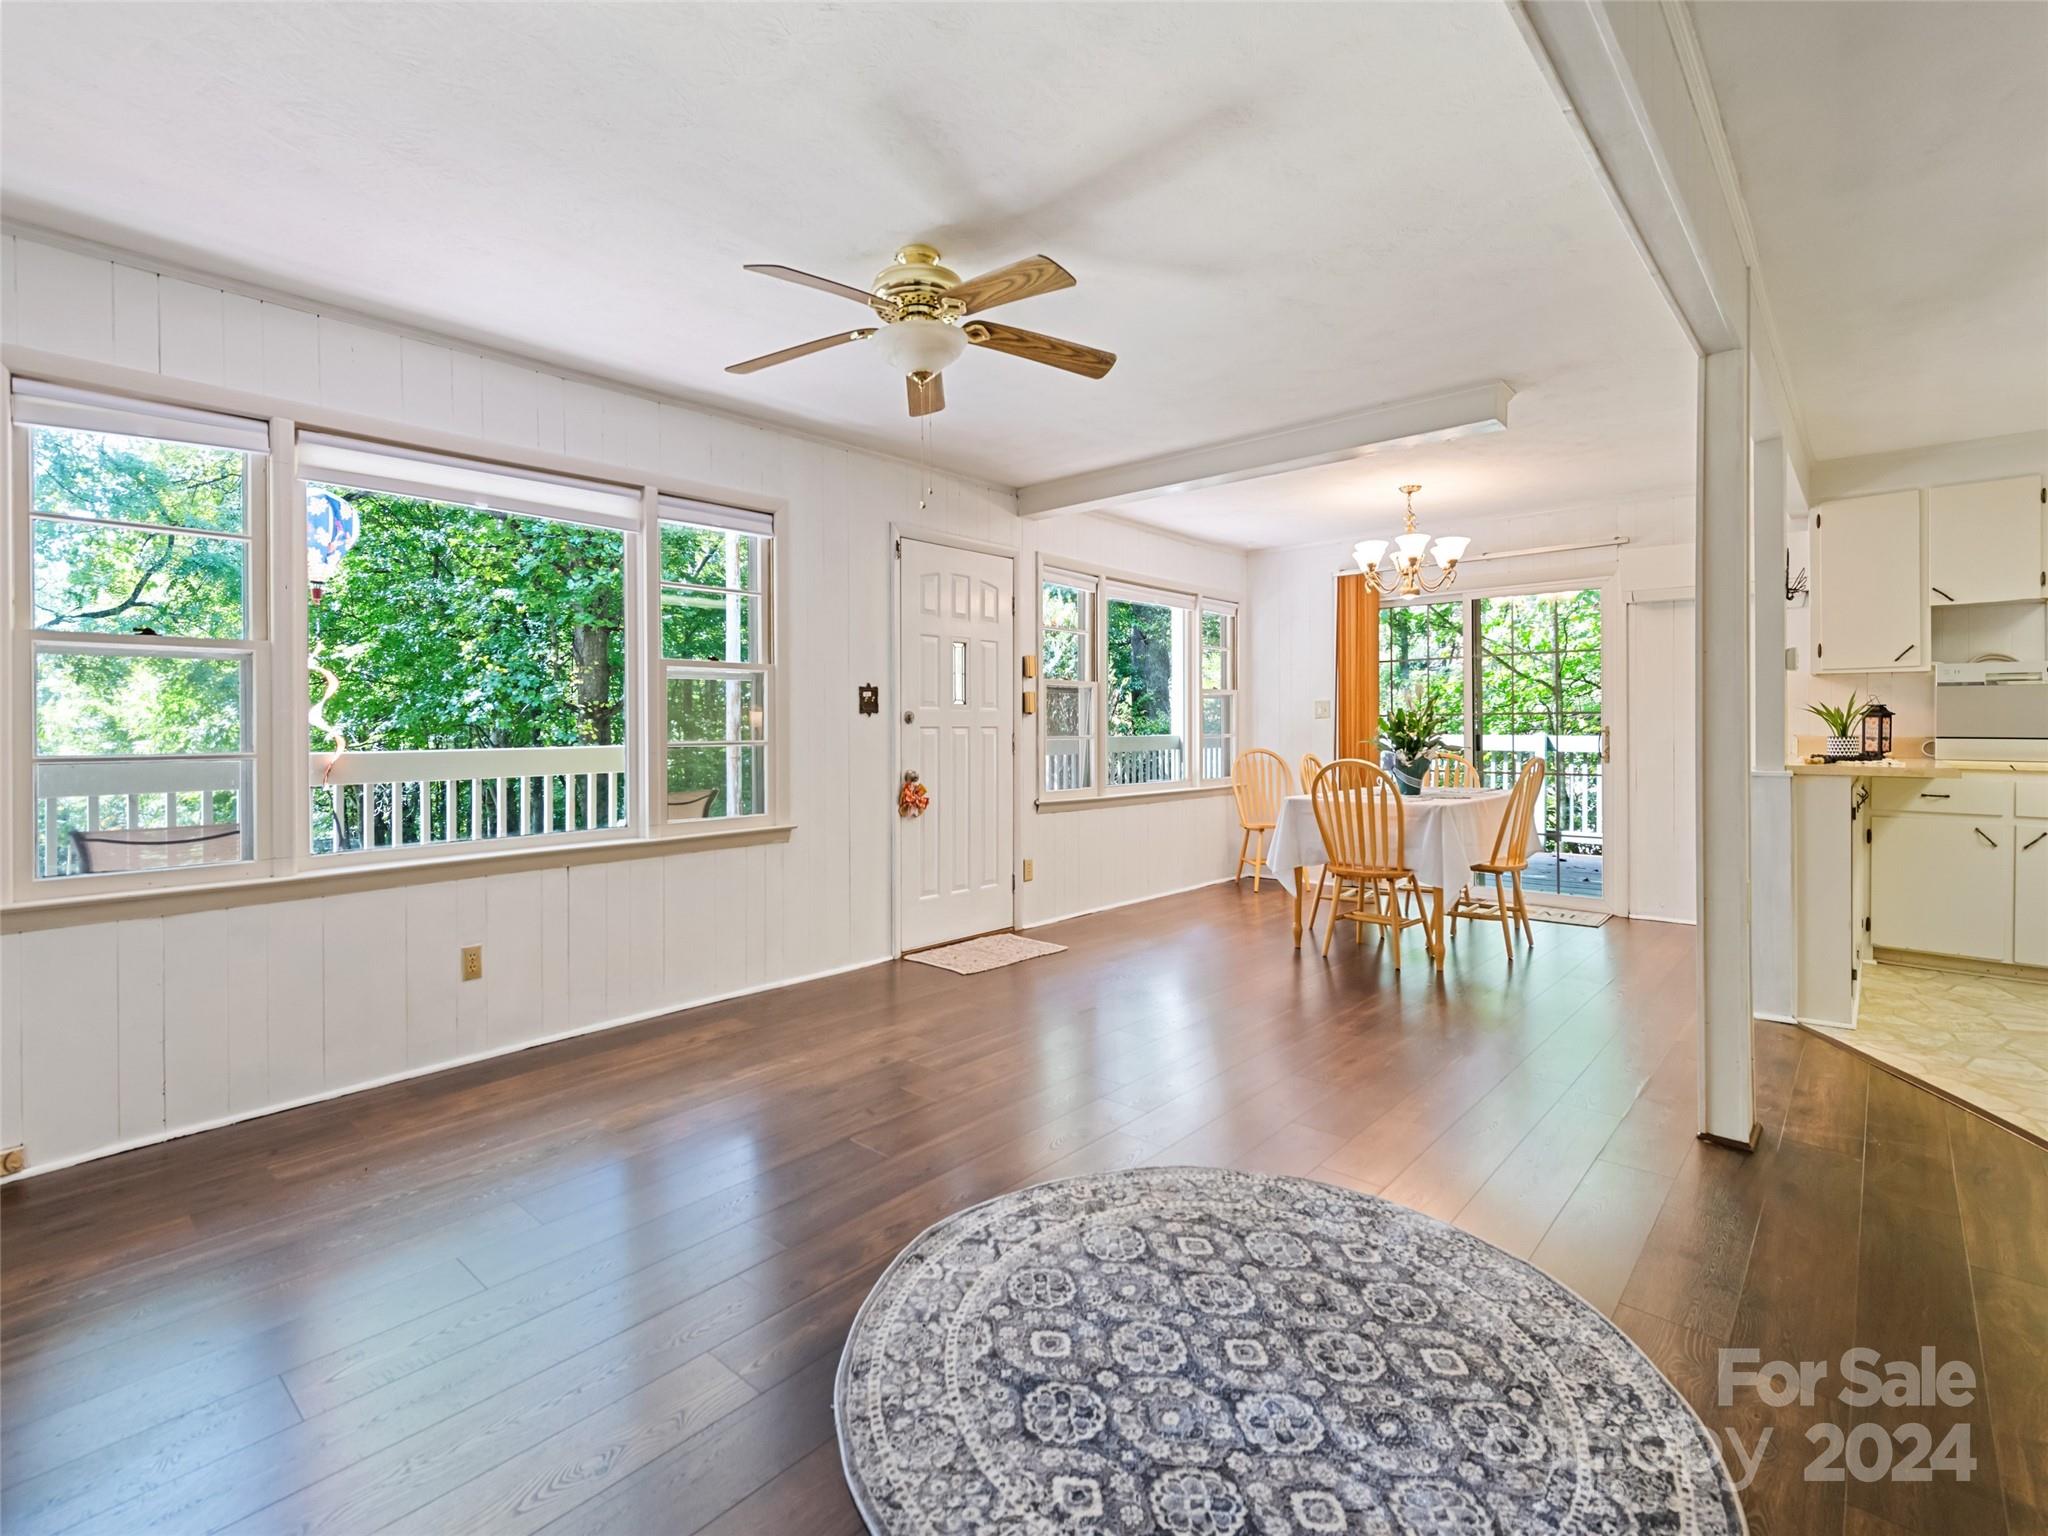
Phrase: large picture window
x=140 y=644
x=716 y=653
x=1138 y=685
x=409 y=653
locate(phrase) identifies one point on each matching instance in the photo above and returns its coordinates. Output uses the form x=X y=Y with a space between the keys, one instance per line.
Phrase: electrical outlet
x=1027 y=871
x=1322 y=709
x=472 y=962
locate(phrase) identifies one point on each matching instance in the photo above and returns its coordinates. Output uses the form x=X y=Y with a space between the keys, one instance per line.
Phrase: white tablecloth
x=1447 y=833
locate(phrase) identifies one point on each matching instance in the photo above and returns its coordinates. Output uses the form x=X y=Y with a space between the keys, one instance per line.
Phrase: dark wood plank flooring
x=601 y=1286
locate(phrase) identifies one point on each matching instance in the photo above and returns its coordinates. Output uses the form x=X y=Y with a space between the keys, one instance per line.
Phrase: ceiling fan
x=929 y=317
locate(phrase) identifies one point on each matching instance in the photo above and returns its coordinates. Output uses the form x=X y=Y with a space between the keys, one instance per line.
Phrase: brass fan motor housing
x=915 y=284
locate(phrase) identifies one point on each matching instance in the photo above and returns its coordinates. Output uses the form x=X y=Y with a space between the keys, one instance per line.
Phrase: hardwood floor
x=602 y=1286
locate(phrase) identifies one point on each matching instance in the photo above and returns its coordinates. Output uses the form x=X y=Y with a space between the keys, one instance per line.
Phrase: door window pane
x=1540 y=696
x=1422 y=660
x=1147 y=646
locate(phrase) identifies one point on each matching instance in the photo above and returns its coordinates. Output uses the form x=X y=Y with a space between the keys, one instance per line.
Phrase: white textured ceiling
x=1277 y=213
x=1894 y=158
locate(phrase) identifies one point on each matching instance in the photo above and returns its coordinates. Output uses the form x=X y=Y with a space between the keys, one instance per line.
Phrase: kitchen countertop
x=1907 y=768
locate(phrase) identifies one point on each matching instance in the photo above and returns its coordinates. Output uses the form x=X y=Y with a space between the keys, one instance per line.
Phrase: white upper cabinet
x=1870 y=585
x=1984 y=542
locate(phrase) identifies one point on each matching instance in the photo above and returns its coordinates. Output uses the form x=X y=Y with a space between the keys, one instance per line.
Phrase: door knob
x=909 y=717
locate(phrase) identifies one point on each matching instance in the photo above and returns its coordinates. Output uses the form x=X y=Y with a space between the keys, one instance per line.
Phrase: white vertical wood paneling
x=589 y=947
x=249 y=1009
x=7 y=305
x=365 y=974
x=11 y=1011
x=432 y=966
x=191 y=336
x=197 y=961
x=466 y=393
x=548 y=412
x=360 y=369
x=616 y=959
x=135 y=318
x=473 y=1000
x=139 y=947
x=70 y=1041
x=241 y=336
x=645 y=916
x=554 y=950
x=65 y=301
x=511 y=404
x=298 y=1021
x=514 y=964
x=582 y=419
x=291 y=353
x=426 y=384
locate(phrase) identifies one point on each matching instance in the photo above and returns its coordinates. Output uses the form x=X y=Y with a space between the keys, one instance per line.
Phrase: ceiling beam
x=1404 y=424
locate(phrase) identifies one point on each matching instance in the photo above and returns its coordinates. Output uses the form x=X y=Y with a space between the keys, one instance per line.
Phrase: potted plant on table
x=1411 y=732
x=1843 y=741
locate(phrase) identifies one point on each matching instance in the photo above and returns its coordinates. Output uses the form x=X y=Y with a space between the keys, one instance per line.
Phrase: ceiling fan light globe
x=1368 y=554
x=920 y=345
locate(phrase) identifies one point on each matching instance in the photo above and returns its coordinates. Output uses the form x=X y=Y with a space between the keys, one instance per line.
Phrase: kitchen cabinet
x=2030 y=893
x=1984 y=542
x=1942 y=885
x=1870 y=602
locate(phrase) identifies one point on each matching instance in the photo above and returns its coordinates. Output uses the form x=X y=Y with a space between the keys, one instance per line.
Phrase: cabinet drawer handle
x=1902 y=655
x=1986 y=836
x=2032 y=840
x=1928 y=794
x=1941 y=594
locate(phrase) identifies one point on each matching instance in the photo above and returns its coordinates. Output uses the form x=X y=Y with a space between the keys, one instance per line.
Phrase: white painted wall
x=1294 y=636
x=117 y=1032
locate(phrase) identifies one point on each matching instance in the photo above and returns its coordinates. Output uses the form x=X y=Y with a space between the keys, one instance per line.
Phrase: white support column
x=1722 y=583
x=1773 y=964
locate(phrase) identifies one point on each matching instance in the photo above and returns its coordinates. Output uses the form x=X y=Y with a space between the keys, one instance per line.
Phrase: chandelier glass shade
x=1411 y=547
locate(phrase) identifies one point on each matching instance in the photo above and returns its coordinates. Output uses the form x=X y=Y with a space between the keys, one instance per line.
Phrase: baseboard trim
x=1068 y=917
x=157 y=1138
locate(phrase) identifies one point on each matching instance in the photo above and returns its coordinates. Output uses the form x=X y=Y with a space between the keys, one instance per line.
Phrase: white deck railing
x=1132 y=760
x=108 y=793
x=484 y=794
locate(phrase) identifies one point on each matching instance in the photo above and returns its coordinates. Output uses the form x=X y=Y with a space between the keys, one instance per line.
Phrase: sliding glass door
x=1520 y=677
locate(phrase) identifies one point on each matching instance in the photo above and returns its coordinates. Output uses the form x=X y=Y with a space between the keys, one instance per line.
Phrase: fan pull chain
x=924 y=463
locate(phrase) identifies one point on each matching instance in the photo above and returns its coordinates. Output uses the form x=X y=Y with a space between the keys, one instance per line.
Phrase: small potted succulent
x=1843 y=741
x=1411 y=732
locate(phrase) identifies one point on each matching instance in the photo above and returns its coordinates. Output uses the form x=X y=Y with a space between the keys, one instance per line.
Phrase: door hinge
x=1853 y=973
x=1816 y=519
x=1866 y=925
x=1819 y=651
x=899 y=549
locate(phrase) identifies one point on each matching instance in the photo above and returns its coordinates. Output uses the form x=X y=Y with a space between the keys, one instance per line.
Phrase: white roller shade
x=1219 y=605
x=467 y=482
x=1074 y=579
x=710 y=514
x=37 y=404
x=1120 y=592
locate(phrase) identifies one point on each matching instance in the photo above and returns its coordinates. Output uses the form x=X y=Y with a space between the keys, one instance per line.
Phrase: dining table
x=1444 y=833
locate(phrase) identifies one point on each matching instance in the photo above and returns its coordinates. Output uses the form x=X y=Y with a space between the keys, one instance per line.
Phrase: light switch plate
x=1027 y=871
x=1322 y=709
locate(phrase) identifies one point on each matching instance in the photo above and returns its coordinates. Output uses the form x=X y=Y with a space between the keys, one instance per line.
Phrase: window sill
x=1131 y=797
x=170 y=901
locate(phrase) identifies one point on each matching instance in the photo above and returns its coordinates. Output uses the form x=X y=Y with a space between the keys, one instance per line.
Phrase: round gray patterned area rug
x=1199 y=1352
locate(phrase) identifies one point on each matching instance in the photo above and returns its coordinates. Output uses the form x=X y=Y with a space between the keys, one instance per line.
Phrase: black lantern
x=1877 y=732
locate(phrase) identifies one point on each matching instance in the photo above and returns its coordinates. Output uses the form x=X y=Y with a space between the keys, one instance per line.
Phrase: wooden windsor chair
x=1510 y=857
x=1364 y=832
x=1260 y=780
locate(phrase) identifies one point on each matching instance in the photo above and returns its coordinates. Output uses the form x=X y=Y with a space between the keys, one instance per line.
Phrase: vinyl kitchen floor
x=1981 y=1039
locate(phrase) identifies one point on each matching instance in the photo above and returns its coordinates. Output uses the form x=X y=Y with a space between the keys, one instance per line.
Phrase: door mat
x=990 y=952
x=1571 y=917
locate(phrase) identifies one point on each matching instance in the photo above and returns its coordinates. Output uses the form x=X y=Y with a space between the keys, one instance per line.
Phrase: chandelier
x=1407 y=579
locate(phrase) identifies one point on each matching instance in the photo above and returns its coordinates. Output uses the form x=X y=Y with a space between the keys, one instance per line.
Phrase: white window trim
x=1228 y=611
x=1102 y=585
x=276 y=641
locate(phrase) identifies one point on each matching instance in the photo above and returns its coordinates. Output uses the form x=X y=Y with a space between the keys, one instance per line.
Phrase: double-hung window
x=466 y=650
x=717 y=655
x=1067 y=666
x=139 y=632
x=1137 y=685
x=1219 y=688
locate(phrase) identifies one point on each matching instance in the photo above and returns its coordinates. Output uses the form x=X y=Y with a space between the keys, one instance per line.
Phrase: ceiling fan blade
x=787 y=354
x=1005 y=285
x=1089 y=362
x=928 y=396
x=810 y=280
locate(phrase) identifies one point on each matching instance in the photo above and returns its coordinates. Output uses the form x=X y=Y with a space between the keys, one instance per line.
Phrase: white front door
x=958 y=700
